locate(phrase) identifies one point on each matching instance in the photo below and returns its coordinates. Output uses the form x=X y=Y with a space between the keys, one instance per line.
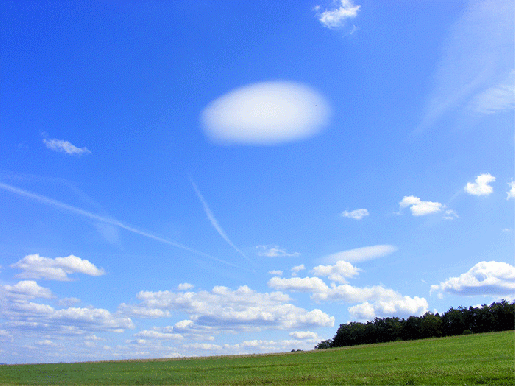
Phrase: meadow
x=477 y=359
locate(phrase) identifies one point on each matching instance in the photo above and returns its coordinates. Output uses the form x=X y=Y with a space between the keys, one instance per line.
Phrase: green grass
x=479 y=359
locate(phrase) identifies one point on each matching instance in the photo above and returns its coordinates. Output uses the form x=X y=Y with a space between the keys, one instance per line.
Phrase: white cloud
x=511 y=192
x=185 y=286
x=497 y=98
x=480 y=187
x=404 y=306
x=450 y=214
x=338 y=272
x=266 y=113
x=214 y=221
x=64 y=146
x=235 y=310
x=356 y=214
x=155 y=334
x=305 y=335
x=484 y=278
x=336 y=18
x=476 y=65
x=306 y=284
x=419 y=207
x=361 y=254
x=28 y=289
x=277 y=273
x=274 y=251
x=297 y=269
x=37 y=267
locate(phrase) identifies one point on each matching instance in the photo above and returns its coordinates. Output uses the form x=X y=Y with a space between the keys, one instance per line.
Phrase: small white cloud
x=511 y=192
x=361 y=254
x=484 y=278
x=274 y=251
x=38 y=267
x=304 y=335
x=297 y=269
x=338 y=272
x=356 y=214
x=28 y=289
x=419 y=207
x=266 y=113
x=297 y=284
x=64 y=146
x=277 y=273
x=336 y=18
x=185 y=286
x=450 y=214
x=480 y=187
x=68 y=302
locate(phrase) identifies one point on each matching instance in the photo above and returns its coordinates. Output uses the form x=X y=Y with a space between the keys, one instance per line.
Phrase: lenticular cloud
x=266 y=113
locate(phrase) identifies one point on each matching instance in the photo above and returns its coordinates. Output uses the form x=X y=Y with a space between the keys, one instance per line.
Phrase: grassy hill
x=479 y=359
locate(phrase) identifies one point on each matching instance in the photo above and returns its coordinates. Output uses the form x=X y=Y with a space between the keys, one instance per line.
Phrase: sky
x=195 y=178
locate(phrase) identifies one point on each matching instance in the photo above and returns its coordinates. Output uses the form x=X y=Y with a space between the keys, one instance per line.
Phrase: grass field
x=480 y=359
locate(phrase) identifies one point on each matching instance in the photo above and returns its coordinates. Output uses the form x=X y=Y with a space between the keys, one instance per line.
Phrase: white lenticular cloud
x=336 y=18
x=60 y=145
x=480 y=187
x=361 y=254
x=266 y=113
x=419 y=207
x=38 y=267
x=357 y=214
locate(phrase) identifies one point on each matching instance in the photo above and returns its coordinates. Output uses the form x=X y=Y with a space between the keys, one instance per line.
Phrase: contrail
x=214 y=222
x=111 y=221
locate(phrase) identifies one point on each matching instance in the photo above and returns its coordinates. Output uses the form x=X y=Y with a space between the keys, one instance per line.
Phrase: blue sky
x=199 y=178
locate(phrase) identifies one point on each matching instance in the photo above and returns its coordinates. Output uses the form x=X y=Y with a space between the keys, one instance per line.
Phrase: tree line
x=498 y=316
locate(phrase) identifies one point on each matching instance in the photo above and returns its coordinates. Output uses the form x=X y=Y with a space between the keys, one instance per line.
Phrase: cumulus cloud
x=419 y=207
x=511 y=192
x=297 y=284
x=266 y=113
x=274 y=251
x=403 y=306
x=338 y=272
x=485 y=278
x=64 y=146
x=336 y=18
x=38 y=267
x=27 y=289
x=480 y=187
x=305 y=335
x=242 y=309
x=361 y=254
x=356 y=214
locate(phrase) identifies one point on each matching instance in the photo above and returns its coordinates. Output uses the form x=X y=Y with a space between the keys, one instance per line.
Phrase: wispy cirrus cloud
x=481 y=186
x=62 y=146
x=83 y=213
x=337 y=17
x=476 y=69
x=214 y=221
